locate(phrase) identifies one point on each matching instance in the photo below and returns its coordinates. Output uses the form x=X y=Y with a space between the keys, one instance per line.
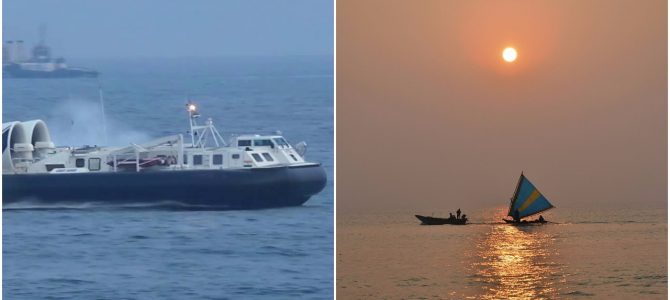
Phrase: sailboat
x=527 y=201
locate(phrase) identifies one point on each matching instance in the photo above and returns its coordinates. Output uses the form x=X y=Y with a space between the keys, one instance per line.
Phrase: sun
x=509 y=54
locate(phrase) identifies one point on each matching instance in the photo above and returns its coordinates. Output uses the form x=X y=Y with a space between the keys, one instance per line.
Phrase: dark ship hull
x=440 y=221
x=255 y=188
x=15 y=71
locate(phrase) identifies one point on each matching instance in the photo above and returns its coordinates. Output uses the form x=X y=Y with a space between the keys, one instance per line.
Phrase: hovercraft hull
x=255 y=188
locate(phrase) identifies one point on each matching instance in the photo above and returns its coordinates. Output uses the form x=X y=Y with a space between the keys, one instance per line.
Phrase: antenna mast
x=199 y=132
x=192 y=115
x=43 y=34
x=102 y=110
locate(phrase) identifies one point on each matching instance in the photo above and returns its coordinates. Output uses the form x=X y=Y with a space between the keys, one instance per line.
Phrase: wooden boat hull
x=522 y=223
x=440 y=221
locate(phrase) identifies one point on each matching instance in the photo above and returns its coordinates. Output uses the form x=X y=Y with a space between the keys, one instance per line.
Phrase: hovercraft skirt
x=253 y=188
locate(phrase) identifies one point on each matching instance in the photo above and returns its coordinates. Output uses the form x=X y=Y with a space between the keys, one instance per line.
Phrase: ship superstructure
x=40 y=64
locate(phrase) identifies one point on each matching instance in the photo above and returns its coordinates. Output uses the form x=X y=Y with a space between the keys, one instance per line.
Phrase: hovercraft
x=250 y=171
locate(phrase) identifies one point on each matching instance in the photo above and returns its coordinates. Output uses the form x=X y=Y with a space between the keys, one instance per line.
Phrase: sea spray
x=79 y=122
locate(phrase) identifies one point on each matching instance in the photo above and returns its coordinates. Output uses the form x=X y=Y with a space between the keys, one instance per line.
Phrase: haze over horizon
x=430 y=117
x=168 y=29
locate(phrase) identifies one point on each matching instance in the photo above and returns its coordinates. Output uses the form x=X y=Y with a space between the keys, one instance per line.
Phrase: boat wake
x=503 y=223
x=567 y=223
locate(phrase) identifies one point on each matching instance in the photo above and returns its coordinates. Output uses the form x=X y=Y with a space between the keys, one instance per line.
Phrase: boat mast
x=192 y=115
x=516 y=194
x=199 y=132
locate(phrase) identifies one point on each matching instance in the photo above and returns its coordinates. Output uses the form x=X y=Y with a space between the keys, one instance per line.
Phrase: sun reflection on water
x=516 y=263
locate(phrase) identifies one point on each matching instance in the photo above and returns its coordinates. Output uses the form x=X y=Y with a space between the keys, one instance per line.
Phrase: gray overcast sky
x=126 y=28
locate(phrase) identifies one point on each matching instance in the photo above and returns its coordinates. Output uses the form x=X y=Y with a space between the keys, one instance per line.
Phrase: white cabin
x=27 y=148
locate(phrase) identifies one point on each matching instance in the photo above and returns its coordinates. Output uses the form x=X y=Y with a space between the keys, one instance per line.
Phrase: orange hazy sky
x=429 y=116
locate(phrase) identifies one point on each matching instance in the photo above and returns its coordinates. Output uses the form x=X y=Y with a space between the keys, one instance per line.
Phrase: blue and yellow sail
x=527 y=199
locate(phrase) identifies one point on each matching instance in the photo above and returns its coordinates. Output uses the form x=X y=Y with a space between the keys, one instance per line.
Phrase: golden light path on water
x=517 y=263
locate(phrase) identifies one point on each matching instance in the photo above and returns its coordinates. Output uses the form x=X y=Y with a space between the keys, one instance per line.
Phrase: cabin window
x=80 y=162
x=257 y=157
x=185 y=159
x=54 y=166
x=261 y=143
x=217 y=159
x=294 y=157
x=268 y=157
x=281 y=142
x=94 y=164
x=243 y=143
x=197 y=160
x=236 y=156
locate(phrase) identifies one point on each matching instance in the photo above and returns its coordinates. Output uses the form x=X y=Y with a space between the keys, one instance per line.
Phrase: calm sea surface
x=140 y=251
x=591 y=254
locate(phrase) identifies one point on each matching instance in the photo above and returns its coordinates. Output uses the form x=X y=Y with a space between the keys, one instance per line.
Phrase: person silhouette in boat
x=458 y=214
x=451 y=216
x=516 y=217
x=464 y=218
x=541 y=219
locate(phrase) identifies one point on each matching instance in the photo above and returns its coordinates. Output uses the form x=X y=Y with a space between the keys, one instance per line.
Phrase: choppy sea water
x=593 y=254
x=169 y=251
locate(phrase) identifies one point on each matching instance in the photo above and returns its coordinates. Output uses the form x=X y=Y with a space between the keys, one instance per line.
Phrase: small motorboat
x=441 y=221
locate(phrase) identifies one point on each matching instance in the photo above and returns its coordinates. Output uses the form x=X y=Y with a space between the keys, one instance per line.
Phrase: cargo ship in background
x=39 y=65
